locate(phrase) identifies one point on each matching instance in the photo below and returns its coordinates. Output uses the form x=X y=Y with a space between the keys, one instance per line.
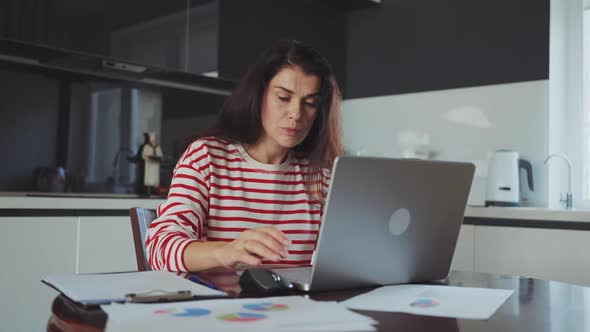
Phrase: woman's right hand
x=253 y=246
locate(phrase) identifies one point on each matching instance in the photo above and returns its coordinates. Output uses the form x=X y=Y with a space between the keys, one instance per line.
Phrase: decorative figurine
x=152 y=156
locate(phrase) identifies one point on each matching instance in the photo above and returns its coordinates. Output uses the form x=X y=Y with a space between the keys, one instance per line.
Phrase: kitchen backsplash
x=63 y=131
x=465 y=124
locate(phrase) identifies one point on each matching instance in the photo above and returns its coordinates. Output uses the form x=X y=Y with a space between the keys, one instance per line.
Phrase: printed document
x=441 y=301
x=287 y=313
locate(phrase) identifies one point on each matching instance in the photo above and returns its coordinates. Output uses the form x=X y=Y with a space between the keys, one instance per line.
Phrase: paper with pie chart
x=441 y=301
x=291 y=313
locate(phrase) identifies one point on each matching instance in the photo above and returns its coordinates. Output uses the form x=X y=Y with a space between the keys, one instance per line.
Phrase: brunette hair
x=240 y=117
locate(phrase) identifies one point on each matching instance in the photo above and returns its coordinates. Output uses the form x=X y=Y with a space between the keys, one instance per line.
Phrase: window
x=569 y=101
x=586 y=100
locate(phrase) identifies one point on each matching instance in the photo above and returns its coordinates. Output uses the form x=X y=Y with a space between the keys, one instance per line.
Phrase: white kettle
x=503 y=187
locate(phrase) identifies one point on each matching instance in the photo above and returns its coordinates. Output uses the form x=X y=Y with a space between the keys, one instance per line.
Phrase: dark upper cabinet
x=155 y=42
x=60 y=24
x=410 y=46
x=150 y=32
x=218 y=38
x=246 y=28
x=144 y=32
x=202 y=40
x=376 y=48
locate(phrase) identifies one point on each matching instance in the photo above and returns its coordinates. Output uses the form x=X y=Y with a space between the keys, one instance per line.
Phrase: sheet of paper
x=108 y=287
x=291 y=313
x=441 y=301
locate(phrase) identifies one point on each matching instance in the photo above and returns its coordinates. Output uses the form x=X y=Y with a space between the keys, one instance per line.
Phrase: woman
x=251 y=191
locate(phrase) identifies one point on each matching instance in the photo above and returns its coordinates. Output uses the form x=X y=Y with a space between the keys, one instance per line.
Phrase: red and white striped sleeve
x=181 y=218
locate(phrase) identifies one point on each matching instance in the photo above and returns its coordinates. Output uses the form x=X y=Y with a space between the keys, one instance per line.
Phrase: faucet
x=568 y=195
x=117 y=164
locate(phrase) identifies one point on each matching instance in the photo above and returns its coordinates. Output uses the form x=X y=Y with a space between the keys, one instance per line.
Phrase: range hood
x=49 y=58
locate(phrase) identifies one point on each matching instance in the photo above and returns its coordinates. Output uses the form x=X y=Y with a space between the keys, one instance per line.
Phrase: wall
x=106 y=119
x=461 y=124
x=176 y=133
x=187 y=113
x=28 y=140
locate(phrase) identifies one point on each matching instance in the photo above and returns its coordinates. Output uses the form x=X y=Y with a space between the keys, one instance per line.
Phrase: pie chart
x=186 y=312
x=424 y=303
x=192 y=312
x=266 y=306
x=242 y=317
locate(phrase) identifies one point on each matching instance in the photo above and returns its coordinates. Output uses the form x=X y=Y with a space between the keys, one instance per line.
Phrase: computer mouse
x=263 y=282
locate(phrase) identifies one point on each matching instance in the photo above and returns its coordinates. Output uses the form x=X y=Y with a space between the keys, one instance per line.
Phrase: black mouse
x=263 y=282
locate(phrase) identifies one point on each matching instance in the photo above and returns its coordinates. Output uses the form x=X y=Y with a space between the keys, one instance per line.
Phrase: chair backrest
x=140 y=221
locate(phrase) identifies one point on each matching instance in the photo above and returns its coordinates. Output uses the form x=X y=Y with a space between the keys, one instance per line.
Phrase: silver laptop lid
x=390 y=221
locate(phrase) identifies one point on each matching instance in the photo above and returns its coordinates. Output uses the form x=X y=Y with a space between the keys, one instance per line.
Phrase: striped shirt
x=218 y=191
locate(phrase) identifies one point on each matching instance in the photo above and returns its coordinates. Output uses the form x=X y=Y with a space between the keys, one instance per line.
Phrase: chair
x=140 y=221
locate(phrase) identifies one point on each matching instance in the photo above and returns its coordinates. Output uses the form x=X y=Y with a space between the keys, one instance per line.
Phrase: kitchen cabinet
x=156 y=37
x=71 y=25
x=150 y=33
x=464 y=251
x=389 y=46
x=562 y=255
x=33 y=248
x=246 y=28
x=105 y=245
x=203 y=38
x=196 y=36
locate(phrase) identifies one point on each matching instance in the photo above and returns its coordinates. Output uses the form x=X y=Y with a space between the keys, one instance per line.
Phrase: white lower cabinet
x=562 y=255
x=105 y=245
x=32 y=248
x=464 y=251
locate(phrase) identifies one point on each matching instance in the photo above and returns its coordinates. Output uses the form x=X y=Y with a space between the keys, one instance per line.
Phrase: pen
x=200 y=281
x=158 y=296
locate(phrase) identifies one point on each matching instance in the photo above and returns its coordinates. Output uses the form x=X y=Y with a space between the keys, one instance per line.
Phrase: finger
x=269 y=242
x=261 y=250
x=276 y=234
x=249 y=259
x=279 y=236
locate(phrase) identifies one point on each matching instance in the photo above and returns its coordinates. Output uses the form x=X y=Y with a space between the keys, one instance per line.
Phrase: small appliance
x=503 y=187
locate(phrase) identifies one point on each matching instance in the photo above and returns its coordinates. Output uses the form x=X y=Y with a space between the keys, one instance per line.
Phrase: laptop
x=387 y=221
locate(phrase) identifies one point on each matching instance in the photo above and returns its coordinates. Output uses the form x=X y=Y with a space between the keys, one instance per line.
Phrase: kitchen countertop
x=73 y=194
x=72 y=201
x=528 y=213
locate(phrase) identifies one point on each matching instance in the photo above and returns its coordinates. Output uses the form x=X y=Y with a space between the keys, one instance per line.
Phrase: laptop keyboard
x=300 y=275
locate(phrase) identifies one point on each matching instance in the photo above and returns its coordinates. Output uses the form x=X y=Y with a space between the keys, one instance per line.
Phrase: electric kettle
x=503 y=187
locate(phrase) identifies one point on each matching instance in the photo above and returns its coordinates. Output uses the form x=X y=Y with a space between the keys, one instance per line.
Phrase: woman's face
x=289 y=107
